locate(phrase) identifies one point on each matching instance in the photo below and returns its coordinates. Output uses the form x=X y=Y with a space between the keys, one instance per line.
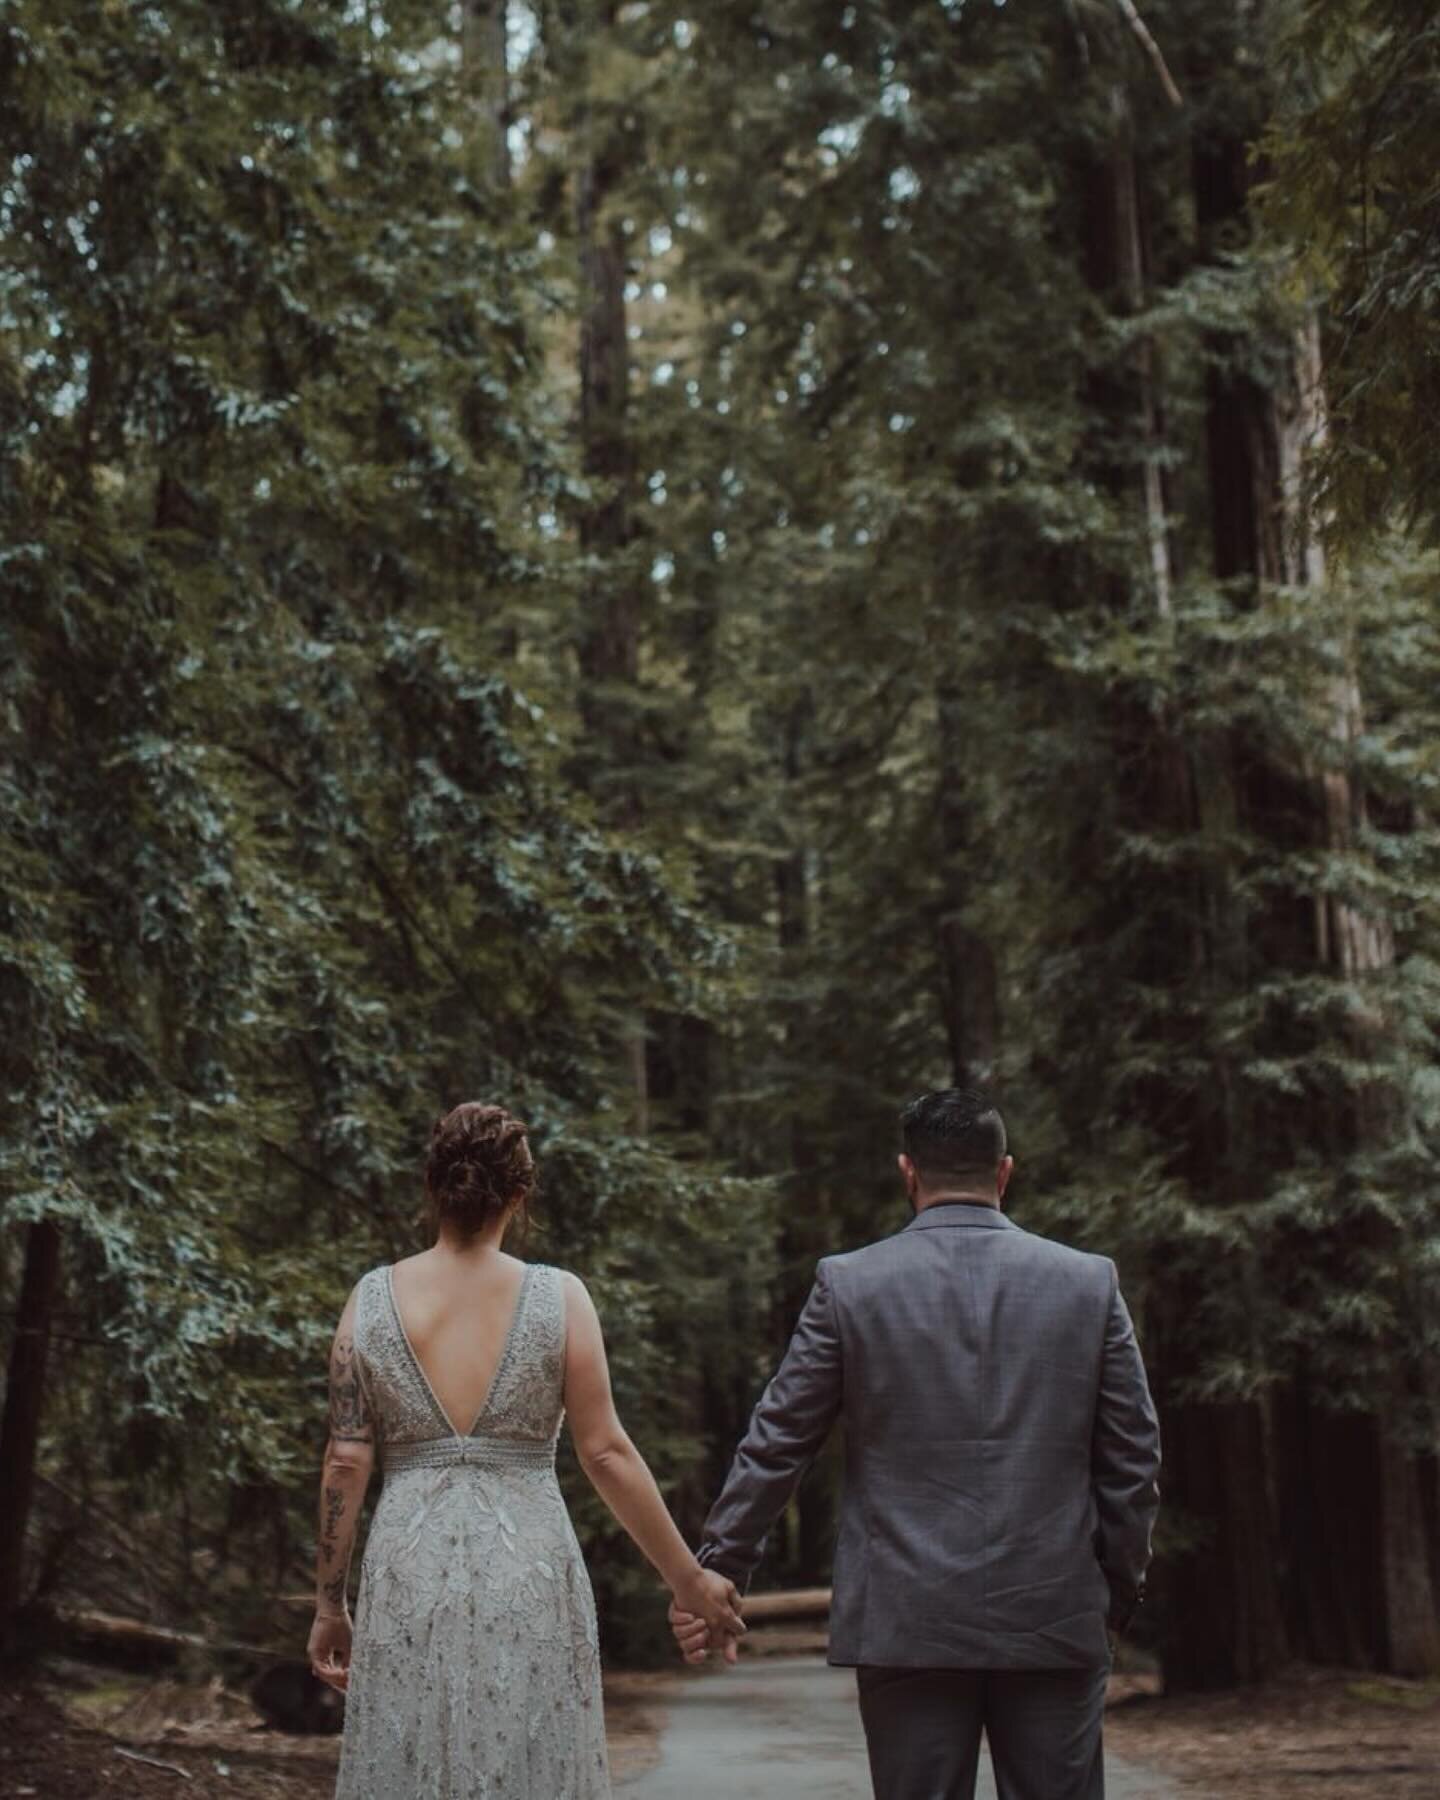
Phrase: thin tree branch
x=1152 y=50
x=153 y=1762
x=392 y=1216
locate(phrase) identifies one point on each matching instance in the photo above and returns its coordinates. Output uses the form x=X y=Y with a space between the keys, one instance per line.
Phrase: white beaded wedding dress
x=475 y=1669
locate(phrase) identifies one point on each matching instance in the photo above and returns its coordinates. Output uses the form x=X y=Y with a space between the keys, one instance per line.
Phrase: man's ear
x=1002 y=1176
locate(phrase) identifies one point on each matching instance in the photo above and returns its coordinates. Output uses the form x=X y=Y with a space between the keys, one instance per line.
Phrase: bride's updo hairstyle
x=478 y=1166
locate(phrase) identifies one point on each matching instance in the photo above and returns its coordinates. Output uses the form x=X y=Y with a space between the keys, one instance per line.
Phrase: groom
x=1001 y=1453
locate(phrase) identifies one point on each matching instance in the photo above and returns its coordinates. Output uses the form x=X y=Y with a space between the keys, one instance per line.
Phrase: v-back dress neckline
x=501 y=1365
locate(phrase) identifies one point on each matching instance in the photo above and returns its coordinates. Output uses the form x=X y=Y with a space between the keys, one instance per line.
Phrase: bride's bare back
x=457 y=1311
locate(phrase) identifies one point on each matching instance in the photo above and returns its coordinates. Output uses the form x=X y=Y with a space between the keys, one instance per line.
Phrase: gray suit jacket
x=1001 y=1449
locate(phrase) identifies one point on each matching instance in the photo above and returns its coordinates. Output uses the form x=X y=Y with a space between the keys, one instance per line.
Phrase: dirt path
x=789 y=1730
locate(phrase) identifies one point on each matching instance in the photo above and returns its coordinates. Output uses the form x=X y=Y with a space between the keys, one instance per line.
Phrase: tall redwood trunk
x=970 y=991
x=1359 y=1525
x=1358 y=1568
x=1217 y=1596
x=609 y=629
x=1223 y=1623
x=24 y=1405
x=484 y=32
x=804 y=1234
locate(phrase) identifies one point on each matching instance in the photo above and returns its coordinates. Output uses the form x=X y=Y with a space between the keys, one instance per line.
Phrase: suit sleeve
x=786 y=1432
x=1124 y=1461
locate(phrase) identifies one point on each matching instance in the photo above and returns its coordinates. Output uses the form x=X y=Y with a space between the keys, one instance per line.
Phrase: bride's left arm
x=622 y=1478
x=349 y=1460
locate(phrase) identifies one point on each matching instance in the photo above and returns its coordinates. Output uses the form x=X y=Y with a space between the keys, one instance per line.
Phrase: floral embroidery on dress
x=475 y=1672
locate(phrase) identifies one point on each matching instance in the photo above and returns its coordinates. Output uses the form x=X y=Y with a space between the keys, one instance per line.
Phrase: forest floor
x=1311 y=1734
x=77 y=1732
x=80 y=1732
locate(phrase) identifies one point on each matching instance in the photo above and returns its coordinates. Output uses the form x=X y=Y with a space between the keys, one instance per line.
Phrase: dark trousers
x=922 y=1728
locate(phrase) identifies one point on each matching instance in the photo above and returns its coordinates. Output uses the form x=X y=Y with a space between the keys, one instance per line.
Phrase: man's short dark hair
x=956 y=1134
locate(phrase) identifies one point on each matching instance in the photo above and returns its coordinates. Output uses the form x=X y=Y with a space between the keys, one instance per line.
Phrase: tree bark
x=484 y=41
x=1218 y=1598
x=1218 y=1595
x=1117 y=270
x=609 y=629
x=1362 y=1590
x=24 y=1406
x=1358 y=1570
x=804 y=1221
x=970 y=991
x=609 y=633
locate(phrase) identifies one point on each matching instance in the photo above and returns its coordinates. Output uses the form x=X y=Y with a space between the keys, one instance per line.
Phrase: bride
x=474 y=1671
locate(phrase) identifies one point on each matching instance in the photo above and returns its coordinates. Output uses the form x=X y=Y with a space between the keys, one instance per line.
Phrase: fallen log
x=118 y=1633
x=139 y=1635
x=796 y=1603
x=799 y=1603
x=285 y=1693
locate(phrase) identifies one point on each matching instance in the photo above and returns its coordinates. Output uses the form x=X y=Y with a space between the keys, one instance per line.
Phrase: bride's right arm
x=621 y=1476
x=349 y=1459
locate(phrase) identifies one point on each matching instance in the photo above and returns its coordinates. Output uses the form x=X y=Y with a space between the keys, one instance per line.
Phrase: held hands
x=706 y=1612
x=329 y=1649
x=693 y=1636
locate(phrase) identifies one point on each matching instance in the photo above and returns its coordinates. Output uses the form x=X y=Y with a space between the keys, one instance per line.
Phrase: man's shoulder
x=865 y=1256
x=1089 y=1262
x=885 y=1253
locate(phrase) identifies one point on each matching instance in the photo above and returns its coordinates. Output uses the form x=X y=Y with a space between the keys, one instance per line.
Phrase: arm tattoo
x=334 y=1499
x=350 y=1416
x=343 y=1489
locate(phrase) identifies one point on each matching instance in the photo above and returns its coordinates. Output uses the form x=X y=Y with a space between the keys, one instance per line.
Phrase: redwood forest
x=700 y=573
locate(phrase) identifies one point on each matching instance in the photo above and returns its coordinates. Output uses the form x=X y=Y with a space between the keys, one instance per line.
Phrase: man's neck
x=957 y=1198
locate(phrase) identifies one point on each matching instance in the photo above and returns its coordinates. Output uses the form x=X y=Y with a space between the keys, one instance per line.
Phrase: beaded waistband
x=471 y=1452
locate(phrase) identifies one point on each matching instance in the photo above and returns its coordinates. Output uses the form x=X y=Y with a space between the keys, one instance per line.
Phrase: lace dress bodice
x=475 y=1671
x=525 y=1403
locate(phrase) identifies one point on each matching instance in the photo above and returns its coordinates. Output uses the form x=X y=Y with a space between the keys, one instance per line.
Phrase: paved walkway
x=788 y=1729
